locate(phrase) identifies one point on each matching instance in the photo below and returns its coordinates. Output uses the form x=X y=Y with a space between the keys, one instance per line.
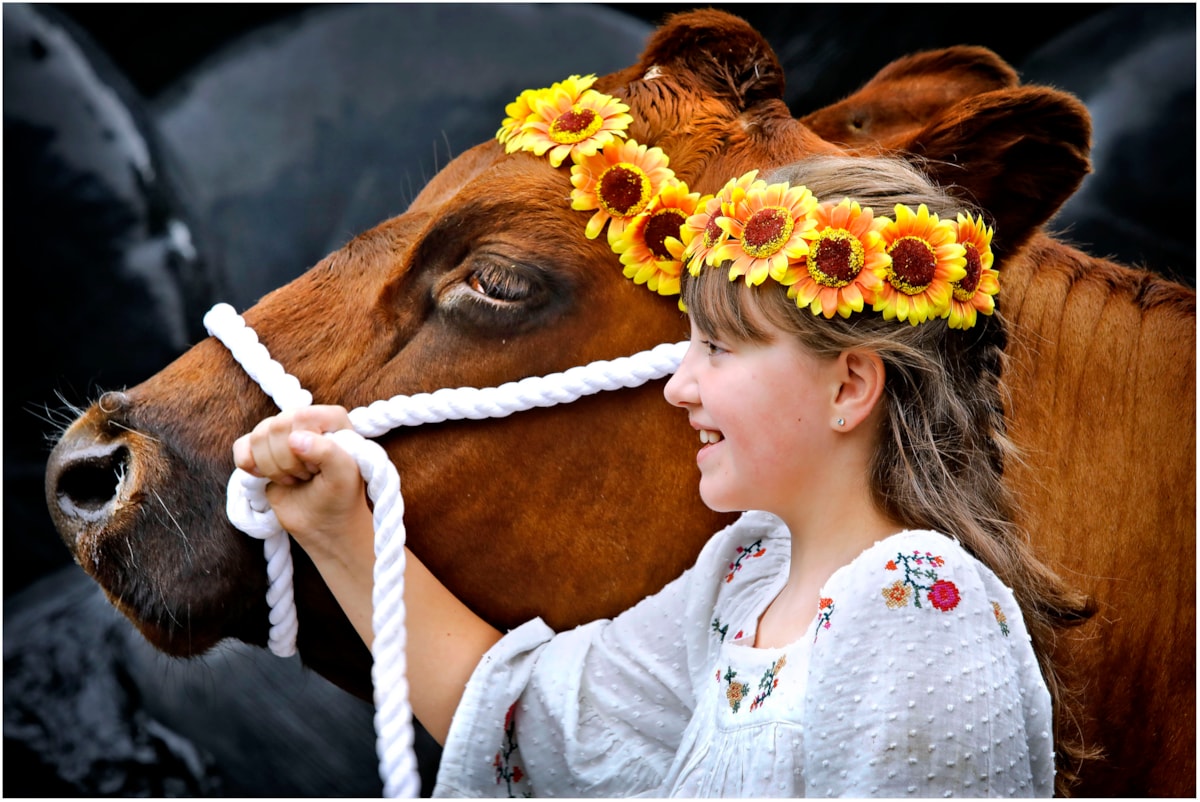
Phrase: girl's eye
x=711 y=348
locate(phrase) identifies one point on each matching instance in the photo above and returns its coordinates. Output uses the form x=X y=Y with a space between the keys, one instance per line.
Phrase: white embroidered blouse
x=916 y=678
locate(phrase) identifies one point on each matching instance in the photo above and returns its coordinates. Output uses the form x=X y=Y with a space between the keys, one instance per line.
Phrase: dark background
x=154 y=44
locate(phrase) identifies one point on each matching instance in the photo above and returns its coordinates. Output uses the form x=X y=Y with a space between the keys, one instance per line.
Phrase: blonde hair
x=943 y=443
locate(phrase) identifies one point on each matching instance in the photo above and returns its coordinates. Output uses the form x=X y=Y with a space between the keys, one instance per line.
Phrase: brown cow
x=576 y=512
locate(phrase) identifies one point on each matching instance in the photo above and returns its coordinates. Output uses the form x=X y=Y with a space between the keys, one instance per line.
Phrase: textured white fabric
x=916 y=678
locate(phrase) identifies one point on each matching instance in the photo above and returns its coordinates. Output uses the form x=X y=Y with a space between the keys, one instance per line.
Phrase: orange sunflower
x=618 y=182
x=702 y=232
x=768 y=227
x=650 y=247
x=846 y=262
x=568 y=119
x=926 y=258
x=973 y=293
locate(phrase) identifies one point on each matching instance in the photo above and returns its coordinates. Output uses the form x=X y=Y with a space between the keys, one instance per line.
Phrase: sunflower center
x=623 y=190
x=766 y=231
x=913 y=265
x=712 y=232
x=835 y=258
x=662 y=224
x=964 y=288
x=575 y=125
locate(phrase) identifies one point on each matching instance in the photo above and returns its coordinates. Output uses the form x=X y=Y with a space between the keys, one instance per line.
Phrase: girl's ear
x=859 y=377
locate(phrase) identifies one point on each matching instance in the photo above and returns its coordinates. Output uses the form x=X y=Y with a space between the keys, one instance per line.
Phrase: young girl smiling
x=874 y=624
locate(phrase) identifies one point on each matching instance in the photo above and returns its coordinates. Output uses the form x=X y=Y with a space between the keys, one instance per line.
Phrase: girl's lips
x=709 y=439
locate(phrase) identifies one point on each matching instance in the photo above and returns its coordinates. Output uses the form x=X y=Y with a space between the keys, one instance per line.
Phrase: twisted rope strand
x=248 y=510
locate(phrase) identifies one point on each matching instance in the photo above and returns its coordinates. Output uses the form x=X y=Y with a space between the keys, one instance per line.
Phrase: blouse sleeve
x=594 y=711
x=923 y=681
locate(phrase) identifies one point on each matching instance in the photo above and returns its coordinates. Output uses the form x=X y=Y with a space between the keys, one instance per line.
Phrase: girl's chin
x=718 y=499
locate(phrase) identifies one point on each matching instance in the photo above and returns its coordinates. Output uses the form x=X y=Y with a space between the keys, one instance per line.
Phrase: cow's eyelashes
x=500 y=285
x=484 y=285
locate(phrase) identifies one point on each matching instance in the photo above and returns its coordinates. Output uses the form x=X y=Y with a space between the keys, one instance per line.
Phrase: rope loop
x=248 y=510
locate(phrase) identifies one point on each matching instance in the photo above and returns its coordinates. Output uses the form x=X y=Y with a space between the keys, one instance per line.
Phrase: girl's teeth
x=708 y=437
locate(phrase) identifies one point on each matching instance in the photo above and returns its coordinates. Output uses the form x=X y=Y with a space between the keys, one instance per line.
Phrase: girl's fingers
x=322 y=418
x=267 y=452
x=324 y=456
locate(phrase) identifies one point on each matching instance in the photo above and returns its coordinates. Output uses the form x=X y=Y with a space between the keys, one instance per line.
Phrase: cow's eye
x=488 y=284
x=500 y=284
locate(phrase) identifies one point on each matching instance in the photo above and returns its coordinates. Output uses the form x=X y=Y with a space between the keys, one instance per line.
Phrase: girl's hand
x=319 y=497
x=315 y=486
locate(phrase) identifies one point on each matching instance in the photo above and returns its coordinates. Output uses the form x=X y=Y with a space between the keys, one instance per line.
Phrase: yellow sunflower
x=568 y=119
x=768 y=227
x=973 y=294
x=650 y=247
x=846 y=262
x=926 y=258
x=518 y=112
x=702 y=231
x=618 y=182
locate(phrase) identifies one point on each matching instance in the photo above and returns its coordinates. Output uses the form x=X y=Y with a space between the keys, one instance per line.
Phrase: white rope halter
x=248 y=510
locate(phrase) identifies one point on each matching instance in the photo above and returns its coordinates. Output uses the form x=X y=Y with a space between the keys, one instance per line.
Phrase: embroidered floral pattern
x=1001 y=619
x=723 y=630
x=768 y=682
x=737 y=692
x=507 y=771
x=824 y=614
x=918 y=569
x=755 y=549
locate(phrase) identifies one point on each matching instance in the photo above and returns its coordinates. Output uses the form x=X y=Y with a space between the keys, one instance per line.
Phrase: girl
x=874 y=625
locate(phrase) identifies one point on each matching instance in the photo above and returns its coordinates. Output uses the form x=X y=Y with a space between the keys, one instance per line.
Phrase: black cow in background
x=161 y=158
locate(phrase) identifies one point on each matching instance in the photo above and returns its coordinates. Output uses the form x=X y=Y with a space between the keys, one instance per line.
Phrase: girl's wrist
x=345 y=544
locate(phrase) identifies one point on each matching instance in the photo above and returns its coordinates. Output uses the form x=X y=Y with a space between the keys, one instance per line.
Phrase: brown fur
x=576 y=512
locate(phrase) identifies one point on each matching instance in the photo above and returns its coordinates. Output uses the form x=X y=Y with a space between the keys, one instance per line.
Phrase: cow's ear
x=720 y=53
x=1018 y=153
x=909 y=92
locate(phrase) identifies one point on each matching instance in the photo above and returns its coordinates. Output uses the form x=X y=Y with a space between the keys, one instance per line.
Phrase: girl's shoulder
x=918 y=579
x=756 y=540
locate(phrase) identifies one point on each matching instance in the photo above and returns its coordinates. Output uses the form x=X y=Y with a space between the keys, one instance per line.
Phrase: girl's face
x=764 y=414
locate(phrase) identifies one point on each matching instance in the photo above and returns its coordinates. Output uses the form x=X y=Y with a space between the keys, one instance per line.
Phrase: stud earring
x=841 y=421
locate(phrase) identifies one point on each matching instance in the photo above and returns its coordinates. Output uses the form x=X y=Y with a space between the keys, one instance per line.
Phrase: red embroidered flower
x=944 y=595
x=891 y=565
x=517 y=774
x=825 y=602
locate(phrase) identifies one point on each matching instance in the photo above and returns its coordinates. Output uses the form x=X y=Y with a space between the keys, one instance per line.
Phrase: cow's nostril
x=88 y=485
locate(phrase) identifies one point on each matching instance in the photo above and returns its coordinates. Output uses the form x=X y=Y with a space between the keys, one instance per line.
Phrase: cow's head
x=571 y=512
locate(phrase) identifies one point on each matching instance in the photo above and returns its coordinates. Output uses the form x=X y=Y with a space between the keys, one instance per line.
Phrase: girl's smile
x=760 y=411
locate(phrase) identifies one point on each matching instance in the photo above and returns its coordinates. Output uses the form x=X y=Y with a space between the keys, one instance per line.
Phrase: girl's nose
x=680 y=389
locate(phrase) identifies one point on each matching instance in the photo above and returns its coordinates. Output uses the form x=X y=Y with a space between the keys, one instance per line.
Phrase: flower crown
x=835 y=257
